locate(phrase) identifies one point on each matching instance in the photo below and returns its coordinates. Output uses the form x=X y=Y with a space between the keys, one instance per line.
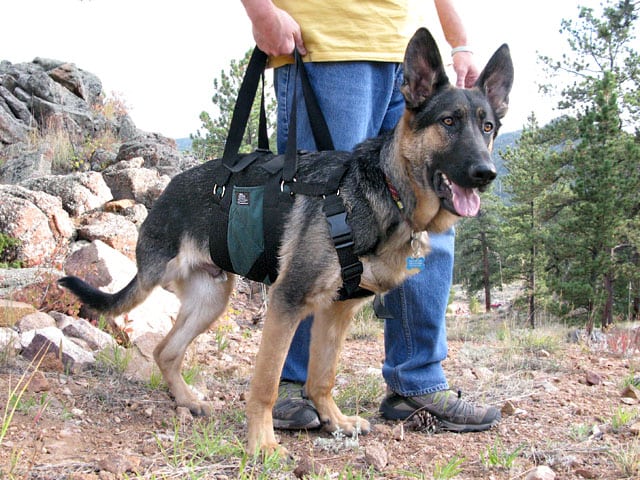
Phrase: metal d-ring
x=215 y=190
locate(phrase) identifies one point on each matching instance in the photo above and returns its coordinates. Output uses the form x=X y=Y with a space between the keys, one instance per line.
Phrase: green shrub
x=9 y=252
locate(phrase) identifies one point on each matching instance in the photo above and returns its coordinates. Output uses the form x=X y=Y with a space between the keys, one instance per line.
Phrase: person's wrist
x=461 y=49
x=260 y=11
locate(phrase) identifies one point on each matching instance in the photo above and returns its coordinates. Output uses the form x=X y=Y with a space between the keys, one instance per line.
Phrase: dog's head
x=448 y=132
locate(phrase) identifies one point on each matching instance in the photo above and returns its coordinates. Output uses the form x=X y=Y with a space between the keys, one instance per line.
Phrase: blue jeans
x=361 y=100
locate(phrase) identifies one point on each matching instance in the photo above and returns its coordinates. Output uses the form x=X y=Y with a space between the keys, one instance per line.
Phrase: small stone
x=635 y=428
x=585 y=473
x=376 y=455
x=549 y=387
x=592 y=378
x=307 y=467
x=508 y=408
x=630 y=391
x=541 y=473
x=39 y=383
x=119 y=464
x=398 y=432
x=596 y=433
x=482 y=373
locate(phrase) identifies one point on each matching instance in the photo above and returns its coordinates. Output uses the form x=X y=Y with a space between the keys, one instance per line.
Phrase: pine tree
x=598 y=229
x=210 y=144
x=536 y=199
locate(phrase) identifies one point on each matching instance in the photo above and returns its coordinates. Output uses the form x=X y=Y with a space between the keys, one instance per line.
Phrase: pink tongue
x=466 y=201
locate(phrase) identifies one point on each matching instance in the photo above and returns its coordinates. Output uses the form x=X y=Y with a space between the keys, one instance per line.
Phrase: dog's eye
x=448 y=121
x=487 y=127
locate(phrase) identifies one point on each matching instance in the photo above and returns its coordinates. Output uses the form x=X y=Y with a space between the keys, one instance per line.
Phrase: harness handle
x=242 y=110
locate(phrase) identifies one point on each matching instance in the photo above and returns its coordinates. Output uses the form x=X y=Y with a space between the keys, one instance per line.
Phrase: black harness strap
x=342 y=236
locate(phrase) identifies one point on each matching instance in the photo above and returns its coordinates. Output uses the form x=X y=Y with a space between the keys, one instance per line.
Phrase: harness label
x=243 y=198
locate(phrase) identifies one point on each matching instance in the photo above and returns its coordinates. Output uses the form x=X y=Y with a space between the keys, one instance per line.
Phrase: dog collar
x=394 y=194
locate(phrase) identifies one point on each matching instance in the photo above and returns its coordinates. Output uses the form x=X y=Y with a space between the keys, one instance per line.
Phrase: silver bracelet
x=462 y=48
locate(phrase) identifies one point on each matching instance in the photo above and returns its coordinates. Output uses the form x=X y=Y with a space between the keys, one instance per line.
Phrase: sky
x=160 y=57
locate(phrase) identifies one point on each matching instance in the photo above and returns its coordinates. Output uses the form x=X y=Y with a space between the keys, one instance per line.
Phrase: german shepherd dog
x=416 y=179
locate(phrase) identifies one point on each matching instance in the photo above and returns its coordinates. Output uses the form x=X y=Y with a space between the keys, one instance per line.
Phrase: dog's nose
x=482 y=173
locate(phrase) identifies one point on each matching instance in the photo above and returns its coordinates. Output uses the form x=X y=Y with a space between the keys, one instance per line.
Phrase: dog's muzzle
x=464 y=201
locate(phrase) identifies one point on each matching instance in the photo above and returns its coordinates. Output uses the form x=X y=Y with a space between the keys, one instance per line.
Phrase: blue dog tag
x=415 y=262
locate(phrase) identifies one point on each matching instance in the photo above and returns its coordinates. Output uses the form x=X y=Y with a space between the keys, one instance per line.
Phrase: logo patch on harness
x=243 y=198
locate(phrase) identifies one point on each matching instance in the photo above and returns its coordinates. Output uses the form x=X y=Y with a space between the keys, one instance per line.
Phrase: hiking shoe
x=293 y=410
x=453 y=413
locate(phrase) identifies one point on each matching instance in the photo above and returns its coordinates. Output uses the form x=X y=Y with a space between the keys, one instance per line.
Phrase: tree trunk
x=486 y=277
x=532 y=276
x=607 y=313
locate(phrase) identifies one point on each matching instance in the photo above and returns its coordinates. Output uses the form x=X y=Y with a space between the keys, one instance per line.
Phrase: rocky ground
x=564 y=407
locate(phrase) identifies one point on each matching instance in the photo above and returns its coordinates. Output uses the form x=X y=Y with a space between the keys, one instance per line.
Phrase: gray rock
x=9 y=341
x=51 y=340
x=95 y=339
x=541 y=473
x=25 y=163
x=114 y=230
x=79 y=192
x=35 y=321
x=11 y=279
x=128 y=180
x=38 y=221
x=159 y=153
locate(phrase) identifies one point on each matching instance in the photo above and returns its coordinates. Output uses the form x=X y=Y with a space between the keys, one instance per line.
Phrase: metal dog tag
x=415 y=262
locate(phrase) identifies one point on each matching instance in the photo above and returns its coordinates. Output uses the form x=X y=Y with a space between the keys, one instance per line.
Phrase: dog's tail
x=112 y=303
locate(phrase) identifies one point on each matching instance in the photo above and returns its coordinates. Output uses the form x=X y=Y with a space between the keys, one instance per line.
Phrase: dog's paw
x=272 y=450
x=350 y=426
x=199 y=408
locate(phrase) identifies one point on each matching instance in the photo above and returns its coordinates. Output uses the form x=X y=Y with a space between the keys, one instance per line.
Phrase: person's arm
x=456 y=35
x=274 y=30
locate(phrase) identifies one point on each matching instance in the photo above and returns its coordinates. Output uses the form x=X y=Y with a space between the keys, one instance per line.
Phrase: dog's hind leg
x=330 y=327
x=203 y=299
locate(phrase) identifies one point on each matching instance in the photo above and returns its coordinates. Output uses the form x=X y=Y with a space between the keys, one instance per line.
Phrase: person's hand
x=277 y=33
x=466 y=70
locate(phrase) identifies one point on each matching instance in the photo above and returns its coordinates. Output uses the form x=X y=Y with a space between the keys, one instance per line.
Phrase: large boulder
x=158 y=152
x=112 y=229
x=23 y=162
x=80 y=192
x=130 y=180
x=38 y=221
x=48 y=94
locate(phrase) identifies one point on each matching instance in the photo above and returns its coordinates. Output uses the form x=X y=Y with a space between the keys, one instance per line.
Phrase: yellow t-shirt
x=350 y=30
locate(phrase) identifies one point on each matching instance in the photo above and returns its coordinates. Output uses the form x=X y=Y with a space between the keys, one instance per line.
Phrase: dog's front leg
x=330 y=327
x=279 y=328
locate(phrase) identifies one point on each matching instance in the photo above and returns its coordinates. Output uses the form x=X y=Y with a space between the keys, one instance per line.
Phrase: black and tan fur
x=443 y=140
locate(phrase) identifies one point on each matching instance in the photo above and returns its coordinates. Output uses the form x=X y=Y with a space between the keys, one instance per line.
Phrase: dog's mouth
x=462 y=201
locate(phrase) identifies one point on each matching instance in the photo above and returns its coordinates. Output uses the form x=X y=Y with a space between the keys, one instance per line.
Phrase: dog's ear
x=423 y=69
x=496 y=80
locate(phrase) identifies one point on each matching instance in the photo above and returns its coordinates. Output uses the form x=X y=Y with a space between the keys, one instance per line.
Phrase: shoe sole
x=391 y=413
x=285 y=425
